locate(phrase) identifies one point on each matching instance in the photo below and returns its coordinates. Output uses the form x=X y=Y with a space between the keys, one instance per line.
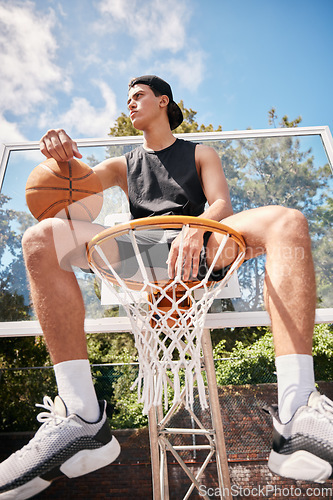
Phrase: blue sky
x=66 y=63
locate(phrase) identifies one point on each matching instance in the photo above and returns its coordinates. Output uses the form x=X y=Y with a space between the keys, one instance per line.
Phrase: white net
x=167 y=319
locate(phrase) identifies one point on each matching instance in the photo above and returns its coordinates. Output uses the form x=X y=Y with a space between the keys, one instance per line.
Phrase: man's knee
x=39 y=234
x=292 y=223
x=37 y=242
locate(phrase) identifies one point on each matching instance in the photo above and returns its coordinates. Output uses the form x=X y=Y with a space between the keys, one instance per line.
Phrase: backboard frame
x=214 y=320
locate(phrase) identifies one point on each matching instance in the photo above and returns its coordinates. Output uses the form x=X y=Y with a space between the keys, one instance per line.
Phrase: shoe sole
x=86 y=461
x=27 y=490
x=81 y=463
x=300 y=465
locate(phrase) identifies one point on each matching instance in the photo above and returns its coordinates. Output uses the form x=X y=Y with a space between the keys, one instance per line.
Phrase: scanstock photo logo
x=268 y=490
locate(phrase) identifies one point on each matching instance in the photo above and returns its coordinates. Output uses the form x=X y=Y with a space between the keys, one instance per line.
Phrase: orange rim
x=161 y=222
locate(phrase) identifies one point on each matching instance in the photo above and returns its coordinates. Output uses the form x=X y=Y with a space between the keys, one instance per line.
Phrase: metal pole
x=163 y=460
x=154 y=453
x=221 y=452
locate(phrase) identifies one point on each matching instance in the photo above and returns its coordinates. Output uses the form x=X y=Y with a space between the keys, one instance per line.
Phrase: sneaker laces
x=324 y=406
x=50 y=416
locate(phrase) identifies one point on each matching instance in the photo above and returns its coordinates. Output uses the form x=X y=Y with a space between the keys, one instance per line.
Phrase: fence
x=241 y=404
x=21 y=388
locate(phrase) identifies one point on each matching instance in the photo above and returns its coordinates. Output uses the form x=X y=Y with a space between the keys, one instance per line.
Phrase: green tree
x=12 y=270
x=285 y=122
x=123 y=125
x=322 y=249
x=278 y=170
x=9 y=239
x=246 y=364
x=190 y=125
x=323 y=352
x=13 y=306
x=254 y=364
x=16 y=389
x=114 y=383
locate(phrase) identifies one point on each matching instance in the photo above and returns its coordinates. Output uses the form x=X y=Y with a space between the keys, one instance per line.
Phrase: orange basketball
x=69 y=189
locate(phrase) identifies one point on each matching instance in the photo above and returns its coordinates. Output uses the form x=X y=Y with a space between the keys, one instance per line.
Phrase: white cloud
x=154 y=24
x=161 y=41
x=9 y=132
x=27 y=54
x=82 y=119
x=189 y=69
x=35 y=85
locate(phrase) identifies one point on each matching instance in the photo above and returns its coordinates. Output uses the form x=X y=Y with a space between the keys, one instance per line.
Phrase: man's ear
x=164 y=101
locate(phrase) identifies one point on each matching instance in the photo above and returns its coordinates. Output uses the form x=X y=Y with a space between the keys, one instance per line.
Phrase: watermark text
x=266 y=490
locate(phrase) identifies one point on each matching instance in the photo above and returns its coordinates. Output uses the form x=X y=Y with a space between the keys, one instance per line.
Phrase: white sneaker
x=303 y=447
x=63 y=445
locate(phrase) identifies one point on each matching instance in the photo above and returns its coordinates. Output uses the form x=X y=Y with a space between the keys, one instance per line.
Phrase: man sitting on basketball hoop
x=303 y=428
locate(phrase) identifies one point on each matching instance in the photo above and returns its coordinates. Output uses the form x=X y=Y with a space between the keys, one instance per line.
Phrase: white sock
x=295 y=377
x=76 y=388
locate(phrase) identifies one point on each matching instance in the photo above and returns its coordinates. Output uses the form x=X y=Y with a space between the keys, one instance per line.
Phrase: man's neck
x=158 y=140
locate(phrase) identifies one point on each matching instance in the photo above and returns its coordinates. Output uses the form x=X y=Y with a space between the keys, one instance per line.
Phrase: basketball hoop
x=167 y=320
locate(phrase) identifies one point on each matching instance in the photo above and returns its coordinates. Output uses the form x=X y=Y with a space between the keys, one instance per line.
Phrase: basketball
x=69 y=189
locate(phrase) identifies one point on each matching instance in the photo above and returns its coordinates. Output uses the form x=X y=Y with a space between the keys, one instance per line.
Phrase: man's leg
x=50 y=249
x=303 y=427
x=290 y=296
x=289 y=291
x=75 y=438
x=59 y=306
x=55 y=292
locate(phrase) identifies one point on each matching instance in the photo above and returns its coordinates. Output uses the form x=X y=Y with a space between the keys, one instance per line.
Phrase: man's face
x=143 y=105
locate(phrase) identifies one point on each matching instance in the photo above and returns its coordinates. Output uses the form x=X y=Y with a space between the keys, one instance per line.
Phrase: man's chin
x=136 y=123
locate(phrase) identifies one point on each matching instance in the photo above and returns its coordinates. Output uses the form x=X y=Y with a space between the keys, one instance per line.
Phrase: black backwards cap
x=175 y=114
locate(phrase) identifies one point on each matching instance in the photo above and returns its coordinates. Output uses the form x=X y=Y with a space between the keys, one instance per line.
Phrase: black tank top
x=164 y=182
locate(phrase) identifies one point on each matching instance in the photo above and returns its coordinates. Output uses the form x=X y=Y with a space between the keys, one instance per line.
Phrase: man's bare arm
x=216 y=190
x=214 y=184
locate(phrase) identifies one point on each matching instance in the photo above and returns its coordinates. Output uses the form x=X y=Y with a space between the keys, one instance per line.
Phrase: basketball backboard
x=289 y=166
